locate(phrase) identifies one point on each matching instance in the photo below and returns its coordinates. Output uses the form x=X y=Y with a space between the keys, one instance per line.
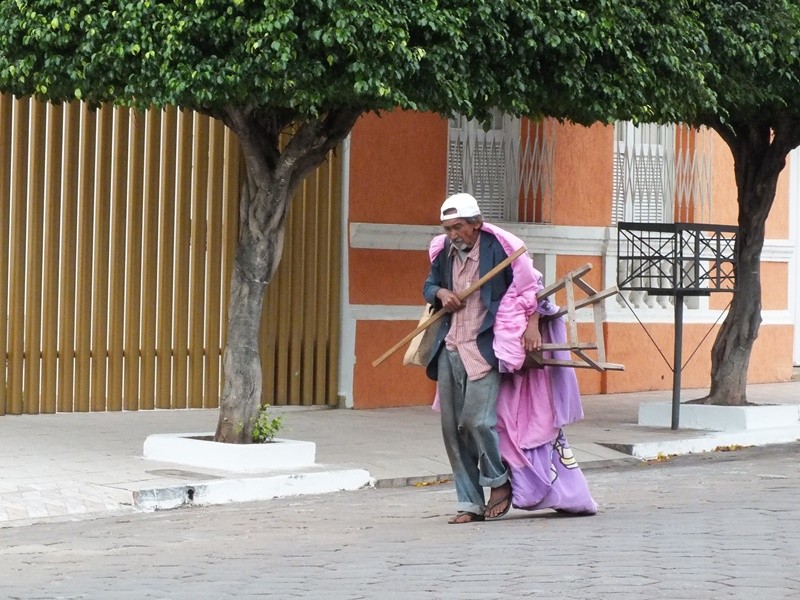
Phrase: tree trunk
x=759 y=153
x=256 y=262
x=273 y=175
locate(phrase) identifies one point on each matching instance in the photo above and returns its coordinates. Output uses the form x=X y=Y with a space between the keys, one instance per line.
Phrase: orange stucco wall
x=390 y=383
x=398 y=176
x=387 y=276
x=398 y=168
x=725 y=206
x=645 y=369
x=582 y=169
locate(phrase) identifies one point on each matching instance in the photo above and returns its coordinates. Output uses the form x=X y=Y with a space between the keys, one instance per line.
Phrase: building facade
x=561 y=188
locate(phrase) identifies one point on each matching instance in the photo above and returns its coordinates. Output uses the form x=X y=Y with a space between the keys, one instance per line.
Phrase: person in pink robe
x=534 y=404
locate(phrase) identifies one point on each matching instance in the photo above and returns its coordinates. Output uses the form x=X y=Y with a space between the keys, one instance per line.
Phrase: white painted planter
x=720 y=418
x=186 y=449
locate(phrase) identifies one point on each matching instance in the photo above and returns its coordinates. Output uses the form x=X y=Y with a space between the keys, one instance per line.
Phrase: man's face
x=462 y=235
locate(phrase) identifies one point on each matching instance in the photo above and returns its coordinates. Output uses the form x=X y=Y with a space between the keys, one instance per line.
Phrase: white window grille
x=662 y=173
x=506 y=163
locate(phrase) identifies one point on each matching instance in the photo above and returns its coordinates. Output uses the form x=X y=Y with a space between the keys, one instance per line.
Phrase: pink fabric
x=533 y=404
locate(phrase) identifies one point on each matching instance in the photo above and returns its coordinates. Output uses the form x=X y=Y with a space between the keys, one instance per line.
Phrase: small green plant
x=266 y=426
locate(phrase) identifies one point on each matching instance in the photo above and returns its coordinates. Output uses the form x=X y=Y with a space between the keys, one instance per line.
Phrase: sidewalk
x=77 y=464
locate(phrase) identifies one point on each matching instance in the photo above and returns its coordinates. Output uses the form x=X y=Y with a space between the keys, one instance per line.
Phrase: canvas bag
x=419 y=350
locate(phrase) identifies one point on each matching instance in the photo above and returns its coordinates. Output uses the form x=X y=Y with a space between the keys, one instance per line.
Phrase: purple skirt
x=551 y=478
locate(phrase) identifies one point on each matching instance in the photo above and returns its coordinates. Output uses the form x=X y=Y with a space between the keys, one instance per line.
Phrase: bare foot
x=465 y=517
x=499 y=501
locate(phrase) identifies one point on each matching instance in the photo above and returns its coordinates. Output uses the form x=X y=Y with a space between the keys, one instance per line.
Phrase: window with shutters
x=506 y=163
x=662 y=174
x=643 y=186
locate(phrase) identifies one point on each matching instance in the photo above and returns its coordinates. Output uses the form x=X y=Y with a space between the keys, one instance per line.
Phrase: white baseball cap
x=460 y=206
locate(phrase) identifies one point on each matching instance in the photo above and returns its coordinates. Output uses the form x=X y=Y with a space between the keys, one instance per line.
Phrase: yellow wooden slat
x=102 y=218
x=166 y=246
x=214 y=265
x=66 y=349
x=150 y=259
x=83 y=306
x=230 y=220
x=53 y=176
x=299 y=232
x=33 y=302
x=313 y=268
x=197 y=269
x=329 y=357
x=182 y=239
x=6 y=116
x=317 y=372
x=16 y=309
x=116 y=295
x=147 y=301
x=133 y=271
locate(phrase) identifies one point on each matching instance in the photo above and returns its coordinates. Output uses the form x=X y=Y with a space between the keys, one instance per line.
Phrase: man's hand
x=532 y=338
x=449 y=300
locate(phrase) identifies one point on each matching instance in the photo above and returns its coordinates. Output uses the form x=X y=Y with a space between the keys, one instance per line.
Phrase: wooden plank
x=102 y=238
x=52 y=236
x=312 y=311
x=116 y=299
x=296 y=236
x=230 y=219
x=33 y=309
x=6 y=120
x=589 y=290
x=149 y=294
x=133 y=262
x=329 y=339
x=214 y=265
x=584 y=302
x=582 y=365
x=83 y=307
x=572 y=324
x=183 y=224
x=166 y=244
x=18 y=259
x=69 y=242
x=559 y=285
x=198 y=262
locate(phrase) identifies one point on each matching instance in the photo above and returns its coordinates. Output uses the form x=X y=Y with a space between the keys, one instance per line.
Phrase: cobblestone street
x=725 y=525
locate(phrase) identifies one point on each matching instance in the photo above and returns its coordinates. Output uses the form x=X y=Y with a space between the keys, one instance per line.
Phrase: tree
x=755 y=76
x=291 y=77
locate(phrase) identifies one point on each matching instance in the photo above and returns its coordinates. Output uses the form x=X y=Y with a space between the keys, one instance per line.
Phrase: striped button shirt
x=466 y=323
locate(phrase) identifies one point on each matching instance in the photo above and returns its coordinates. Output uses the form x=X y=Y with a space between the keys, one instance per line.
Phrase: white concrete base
x=251 y=489
x=185 y=449
x=720 y=418
x=710 y=442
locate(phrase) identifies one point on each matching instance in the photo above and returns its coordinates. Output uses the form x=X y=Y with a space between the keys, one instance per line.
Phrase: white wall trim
x=347 y=339
x=794 y=238
x=539 y=239
x=385 y=312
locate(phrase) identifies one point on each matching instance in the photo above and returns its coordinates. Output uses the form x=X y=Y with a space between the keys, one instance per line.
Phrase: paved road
x=725 y=527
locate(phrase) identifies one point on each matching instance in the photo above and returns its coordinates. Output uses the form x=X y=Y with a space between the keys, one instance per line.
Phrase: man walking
x=463 y=361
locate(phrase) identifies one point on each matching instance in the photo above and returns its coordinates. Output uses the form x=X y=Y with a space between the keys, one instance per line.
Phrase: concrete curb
x=251 y=489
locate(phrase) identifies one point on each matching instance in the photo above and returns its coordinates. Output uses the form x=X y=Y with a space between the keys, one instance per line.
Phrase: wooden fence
x=117 y=233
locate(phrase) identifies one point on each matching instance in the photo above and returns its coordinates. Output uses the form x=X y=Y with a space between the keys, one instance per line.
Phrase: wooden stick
x=461 y=296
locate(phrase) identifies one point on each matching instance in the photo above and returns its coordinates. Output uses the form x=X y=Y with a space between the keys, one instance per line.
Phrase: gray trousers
x=469 y=419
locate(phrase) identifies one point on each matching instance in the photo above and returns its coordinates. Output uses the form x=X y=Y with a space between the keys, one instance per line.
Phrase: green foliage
x=755 y=53
x=265 y=426
x=578 y=59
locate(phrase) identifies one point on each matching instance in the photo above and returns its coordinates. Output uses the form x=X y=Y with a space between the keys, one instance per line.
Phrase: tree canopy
x=581 y=60
x=290 y=78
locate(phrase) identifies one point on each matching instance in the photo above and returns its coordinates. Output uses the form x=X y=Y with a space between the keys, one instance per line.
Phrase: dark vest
x=441 y=276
